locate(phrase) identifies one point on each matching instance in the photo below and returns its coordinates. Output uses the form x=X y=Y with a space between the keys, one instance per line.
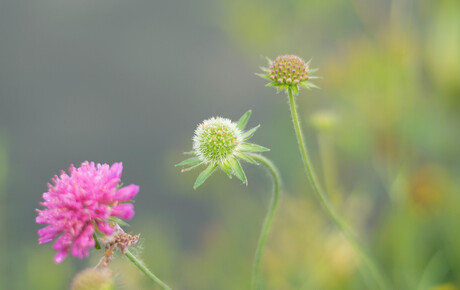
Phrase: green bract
x=288 y=72
x=219 y=142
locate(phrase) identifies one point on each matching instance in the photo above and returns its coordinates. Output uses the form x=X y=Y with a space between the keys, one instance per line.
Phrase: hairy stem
x=268 y=219
x=146 y=271
x=375 y=272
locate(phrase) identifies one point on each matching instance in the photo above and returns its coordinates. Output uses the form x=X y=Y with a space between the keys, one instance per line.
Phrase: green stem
x=146 y=271
x=375 y=272
x=268 y=219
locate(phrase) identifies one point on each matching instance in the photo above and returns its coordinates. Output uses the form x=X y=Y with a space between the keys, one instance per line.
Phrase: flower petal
x=60 y=256
x=124 y=211
x=127 y=192
x=105 y=228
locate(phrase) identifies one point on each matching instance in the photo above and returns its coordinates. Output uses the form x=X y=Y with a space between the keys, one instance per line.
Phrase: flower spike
x=219 y=142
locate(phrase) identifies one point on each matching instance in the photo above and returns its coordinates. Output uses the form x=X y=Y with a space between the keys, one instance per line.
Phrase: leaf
x=246 y=157
x=190 y=161
x=295 y=90
x=313 y=70
x=118 y=221
x=243 y=120
x=248 y=134
x=191 y=167
x=264 y=76
x=272 y=84
x=308 y=85
x=249 y=147
x=226 y=168
x=269 y=60
x=238 y=170
x=189 y=153
x=204 y=175
x=96 y=242
x=264 y=69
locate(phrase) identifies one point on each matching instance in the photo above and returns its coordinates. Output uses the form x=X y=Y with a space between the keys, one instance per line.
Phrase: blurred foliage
x=392 y=76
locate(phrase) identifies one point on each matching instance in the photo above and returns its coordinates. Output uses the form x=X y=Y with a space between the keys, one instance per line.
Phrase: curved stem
x=268 y=219
x=375 y=272
x=146 y=271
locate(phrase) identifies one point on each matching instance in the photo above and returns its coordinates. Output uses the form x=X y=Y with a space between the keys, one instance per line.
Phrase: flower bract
x=81 y=203
x=219 y=142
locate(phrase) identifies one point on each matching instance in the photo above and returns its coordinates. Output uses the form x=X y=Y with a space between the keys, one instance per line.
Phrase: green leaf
x=269 y=60
x=264 y=76
x=96 y=241
x=191 y=167
x=237 y=170
x=189 y=153
x=280 y=88
x=249 y=147
x=312 y=70
x=248 y=134
x=204 y=175
x=246 y=157
x=243 y=120
x=264 y=69
x=272 y=84
x=308 y=85
x=295 y=90
x=118 y=221
x=226 y=168
x=190 y=161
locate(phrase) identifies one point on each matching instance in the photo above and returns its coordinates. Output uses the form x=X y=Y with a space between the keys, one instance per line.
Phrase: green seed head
x=216 y=140
x=92 y=279
x=288 y=69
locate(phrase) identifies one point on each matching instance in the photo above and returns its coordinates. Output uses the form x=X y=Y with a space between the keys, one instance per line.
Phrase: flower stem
x=375 y=272
x=268 y=219
x=146 y=271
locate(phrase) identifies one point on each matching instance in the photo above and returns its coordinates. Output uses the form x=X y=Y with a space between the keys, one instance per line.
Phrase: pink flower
x=79 y=203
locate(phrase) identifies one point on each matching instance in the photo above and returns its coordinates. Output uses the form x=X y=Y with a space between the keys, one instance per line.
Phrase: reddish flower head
x=81 y=202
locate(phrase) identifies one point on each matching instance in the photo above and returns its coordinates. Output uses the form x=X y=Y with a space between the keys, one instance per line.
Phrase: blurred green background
x=128 y=81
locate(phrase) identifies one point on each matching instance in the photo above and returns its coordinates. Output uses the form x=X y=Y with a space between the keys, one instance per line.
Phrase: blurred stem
x=375 y=272
x=326 y=152
x=268 y=219
x=146 y=271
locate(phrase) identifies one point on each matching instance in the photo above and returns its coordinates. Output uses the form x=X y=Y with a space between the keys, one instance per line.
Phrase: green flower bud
x=288 y=72
x=288 y=69
x=92 y=279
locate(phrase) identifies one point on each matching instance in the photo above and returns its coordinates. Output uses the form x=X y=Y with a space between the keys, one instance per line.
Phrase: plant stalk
x=268 y=219
x=375 y=272
x=146 y=271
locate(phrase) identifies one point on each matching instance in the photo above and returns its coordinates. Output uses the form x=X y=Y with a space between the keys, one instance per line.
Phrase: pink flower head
x=81 y=202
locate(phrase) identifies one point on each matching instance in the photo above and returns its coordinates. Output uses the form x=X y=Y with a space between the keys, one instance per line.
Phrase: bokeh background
x=128 y=81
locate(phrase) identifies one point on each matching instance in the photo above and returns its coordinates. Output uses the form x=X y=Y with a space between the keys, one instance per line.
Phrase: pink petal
x=124 y=211
x=84 y=242
x=116 y=170
x=47 y=234
x=127 y=193
x=60 y=256
x=105 y=228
